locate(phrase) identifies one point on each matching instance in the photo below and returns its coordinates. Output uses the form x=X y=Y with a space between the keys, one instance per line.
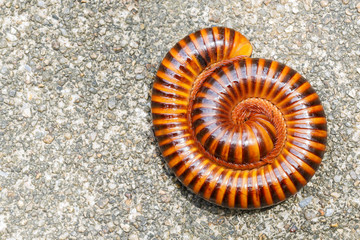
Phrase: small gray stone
x=139 y=77
x=352 y=93
x=102 y=202
x=27 y=68
x=3 y=43
x=55 y=45
x=337 y=178
x=306 y=201
x=41 y=108
x=4 y=70
x=3 y=124
x=112 y=103
x=93 y=136
x=26 y=110
x=309 y=214
x=41 y=4
x=329 y=212
x=139 y=69
x=92 y=90
x=12 y=93
x=353 y=175
x=63 y=32
x=260 y=227
x=4 y=174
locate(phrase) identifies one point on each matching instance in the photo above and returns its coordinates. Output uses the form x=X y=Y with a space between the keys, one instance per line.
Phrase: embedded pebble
x=324 y=3
x=329 y=212
x=335 y=195
x=139 y=69
x=26 y=110
x=67 y=136
x=353 y=175
x=310 y=214
x=12 y=93
x=11 y=37
x=337 y=178
x=48 y=139
x=64 y=236
x=334 y=225
x=55 y=45
x=112 y=103
x=125 y=227
x=133 y=237
x=102 y=202
x=306 y=201
x=4 y=174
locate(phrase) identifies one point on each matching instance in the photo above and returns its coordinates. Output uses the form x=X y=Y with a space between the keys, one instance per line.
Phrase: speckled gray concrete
x=77 y=156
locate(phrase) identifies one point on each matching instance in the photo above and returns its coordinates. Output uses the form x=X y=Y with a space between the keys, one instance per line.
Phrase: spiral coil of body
x=239 y=132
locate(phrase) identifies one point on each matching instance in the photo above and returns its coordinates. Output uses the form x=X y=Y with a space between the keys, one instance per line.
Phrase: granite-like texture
x=77 y=156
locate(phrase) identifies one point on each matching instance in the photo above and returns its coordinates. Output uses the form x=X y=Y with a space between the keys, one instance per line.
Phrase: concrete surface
x=77 y=155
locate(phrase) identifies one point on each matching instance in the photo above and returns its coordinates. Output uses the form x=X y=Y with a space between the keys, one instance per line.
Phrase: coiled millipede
x=239 y=132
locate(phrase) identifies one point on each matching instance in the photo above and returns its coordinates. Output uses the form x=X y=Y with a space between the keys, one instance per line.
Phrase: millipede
x=237 y=131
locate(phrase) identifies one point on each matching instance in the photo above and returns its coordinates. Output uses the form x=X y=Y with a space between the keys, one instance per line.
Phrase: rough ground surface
x=77 y=155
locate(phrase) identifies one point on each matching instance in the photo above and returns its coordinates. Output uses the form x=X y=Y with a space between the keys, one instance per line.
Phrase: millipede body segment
x=237 y=131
